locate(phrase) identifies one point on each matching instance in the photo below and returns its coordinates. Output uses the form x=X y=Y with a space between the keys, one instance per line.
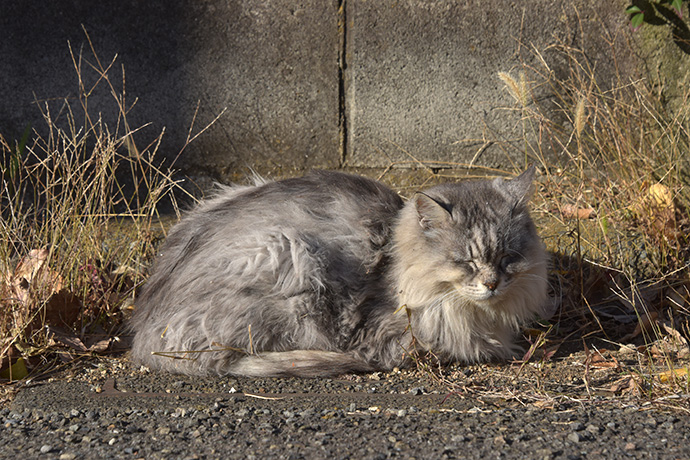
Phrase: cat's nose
x=491 y=285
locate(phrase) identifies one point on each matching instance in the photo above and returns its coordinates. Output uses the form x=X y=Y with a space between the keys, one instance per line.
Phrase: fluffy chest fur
x=309 y=276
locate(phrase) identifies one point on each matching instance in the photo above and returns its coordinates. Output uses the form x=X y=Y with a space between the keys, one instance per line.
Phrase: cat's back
x=325 y=203
x=319 y=193
x=288 y=257
x=345 y=218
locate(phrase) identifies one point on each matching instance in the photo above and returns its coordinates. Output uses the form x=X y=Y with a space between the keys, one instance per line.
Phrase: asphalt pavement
x=131 y=414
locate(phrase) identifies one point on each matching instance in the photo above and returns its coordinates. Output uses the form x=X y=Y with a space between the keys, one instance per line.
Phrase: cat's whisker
x=534 y=276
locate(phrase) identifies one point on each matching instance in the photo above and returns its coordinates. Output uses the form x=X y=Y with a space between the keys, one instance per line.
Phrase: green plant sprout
x=637 y=14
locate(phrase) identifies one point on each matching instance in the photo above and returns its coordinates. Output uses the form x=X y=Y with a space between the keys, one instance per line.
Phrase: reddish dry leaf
x=624 y=385
x=549 y=352
x=39 y=292
x=66 y=338
x=100 y=346
x=572 y=211
x=73 y=342
x=604 y=365
x=598 y=361
x=94 y=344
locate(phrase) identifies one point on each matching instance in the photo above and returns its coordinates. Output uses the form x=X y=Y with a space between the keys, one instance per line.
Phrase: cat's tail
x=298 y=363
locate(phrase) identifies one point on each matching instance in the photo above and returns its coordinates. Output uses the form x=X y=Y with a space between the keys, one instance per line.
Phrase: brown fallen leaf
x=67 y=338
x=32 y=275
x=623 y=385
x=572 y=211
x=597 y=360
x=100 y=346
x=604 y=365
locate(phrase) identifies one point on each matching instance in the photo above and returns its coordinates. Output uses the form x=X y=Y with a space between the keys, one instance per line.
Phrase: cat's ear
x=521 y=188
x=430 y=212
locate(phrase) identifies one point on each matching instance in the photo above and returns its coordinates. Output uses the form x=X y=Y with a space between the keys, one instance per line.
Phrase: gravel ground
x=115 y=410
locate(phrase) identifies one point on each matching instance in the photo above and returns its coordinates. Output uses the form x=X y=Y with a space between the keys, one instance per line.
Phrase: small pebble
x=574 y=437
x=46 y=448
x=629 y=446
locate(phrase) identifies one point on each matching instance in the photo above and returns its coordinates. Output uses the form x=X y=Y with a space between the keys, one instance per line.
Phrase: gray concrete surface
x=422 y=75
x=308 y=83
x=273 y=65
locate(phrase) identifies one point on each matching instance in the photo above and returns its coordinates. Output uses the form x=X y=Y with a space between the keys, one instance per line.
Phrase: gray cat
x=333 y=273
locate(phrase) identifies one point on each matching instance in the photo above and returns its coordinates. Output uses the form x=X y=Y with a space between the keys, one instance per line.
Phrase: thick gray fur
x=332 y=273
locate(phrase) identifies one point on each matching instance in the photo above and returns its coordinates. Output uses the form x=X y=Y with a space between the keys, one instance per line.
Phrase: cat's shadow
x=593 y=307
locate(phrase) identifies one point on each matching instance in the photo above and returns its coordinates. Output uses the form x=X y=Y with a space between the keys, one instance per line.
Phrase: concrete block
x=273 y=65
x=422 y=78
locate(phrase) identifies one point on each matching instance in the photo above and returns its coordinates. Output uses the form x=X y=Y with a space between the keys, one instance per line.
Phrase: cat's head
x=478 y=236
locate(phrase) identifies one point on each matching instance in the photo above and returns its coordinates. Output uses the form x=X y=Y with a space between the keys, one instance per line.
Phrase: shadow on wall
x=37 y=37
x=662 y=14
x=273 y=65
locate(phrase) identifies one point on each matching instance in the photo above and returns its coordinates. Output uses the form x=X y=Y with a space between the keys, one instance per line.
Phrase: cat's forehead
x=470 y=194
x=479 y=212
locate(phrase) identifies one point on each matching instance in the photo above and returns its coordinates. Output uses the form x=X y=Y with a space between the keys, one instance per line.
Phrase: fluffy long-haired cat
x=333 y=273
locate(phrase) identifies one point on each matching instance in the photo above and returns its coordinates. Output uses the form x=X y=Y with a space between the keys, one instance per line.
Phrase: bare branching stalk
x=85 y=196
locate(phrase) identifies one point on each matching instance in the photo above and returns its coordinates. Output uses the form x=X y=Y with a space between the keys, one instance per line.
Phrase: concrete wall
x=306 y=83
x=423 y=74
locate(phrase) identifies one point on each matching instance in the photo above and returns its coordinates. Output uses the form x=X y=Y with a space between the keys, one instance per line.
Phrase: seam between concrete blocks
x=342 y=68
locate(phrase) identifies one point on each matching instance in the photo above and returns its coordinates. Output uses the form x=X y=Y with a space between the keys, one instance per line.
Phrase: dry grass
x=615 y=212
x=78 y=221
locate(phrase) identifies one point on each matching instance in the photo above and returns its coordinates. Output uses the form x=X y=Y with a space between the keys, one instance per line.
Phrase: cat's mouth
x=480 y=293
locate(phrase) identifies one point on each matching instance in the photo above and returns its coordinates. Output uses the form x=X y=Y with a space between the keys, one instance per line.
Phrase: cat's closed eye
x=467 y=265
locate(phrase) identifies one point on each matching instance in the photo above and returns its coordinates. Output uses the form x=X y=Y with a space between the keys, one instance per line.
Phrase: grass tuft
x=614 y=206
x=78 y=207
